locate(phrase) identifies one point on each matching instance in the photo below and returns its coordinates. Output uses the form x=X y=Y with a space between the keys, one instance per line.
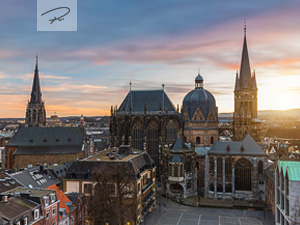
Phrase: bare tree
x=113 y=199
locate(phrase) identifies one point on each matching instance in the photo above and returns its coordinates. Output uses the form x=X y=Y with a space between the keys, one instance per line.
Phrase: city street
x=171 y=213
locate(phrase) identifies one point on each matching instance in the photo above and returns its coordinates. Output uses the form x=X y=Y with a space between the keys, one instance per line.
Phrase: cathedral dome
x=199 y=98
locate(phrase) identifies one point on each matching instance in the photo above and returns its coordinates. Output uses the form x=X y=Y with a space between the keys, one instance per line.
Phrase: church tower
x=245 y=119
x=36 y=113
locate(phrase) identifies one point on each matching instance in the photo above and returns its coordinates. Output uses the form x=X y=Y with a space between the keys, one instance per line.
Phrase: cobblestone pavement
x=171 y=213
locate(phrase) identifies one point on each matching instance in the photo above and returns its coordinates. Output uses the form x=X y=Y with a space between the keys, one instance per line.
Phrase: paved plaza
x=171 y=213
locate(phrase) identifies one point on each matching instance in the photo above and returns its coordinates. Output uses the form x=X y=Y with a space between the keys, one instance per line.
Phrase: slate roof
x=176 y=159
x=48 y=136
x=84 y=169
x=153 y=100
x=288 y=133
x=34 y=178
x=7 y=182
x=251 y=148
x=291 y=167
x=202 y=150
x=202 y=99
x=36 y=94
x=179 y=145
x=15 y=208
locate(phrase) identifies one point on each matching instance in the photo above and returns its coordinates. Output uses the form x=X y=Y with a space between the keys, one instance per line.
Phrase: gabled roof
x=292 y=168
x=48 y=136
x=245 y=147
x=151 y=100
x=63 y=199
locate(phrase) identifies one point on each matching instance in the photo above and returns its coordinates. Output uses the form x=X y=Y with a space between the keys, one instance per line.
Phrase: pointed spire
x=254 y=86
x=245 y=72
x=237 y=82
x=36 y=94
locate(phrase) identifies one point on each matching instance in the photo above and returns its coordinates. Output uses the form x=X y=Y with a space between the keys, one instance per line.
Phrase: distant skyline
x=149 y=43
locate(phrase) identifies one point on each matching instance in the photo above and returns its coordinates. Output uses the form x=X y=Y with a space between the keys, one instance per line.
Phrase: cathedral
x=35 y=112
x=185 y=144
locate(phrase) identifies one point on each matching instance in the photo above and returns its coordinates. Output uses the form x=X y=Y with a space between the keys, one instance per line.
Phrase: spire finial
x=163 y=86
x=245 y=25
x=198 y=71
x=130 y=84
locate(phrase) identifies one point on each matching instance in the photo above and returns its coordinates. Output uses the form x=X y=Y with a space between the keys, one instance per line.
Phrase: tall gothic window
x=243 y=178
x=153 y=142
x=137 y=138
x=219 y=166
x=260 y=167
x=212 y=140
x=171 y=132
x=198 y=140
x=228 y=170
x=211 y=165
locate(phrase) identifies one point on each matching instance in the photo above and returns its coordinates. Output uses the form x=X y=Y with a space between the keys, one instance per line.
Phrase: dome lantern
x=199 y=81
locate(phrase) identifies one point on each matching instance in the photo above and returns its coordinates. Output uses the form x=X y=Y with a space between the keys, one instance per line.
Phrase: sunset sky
x=149 y=43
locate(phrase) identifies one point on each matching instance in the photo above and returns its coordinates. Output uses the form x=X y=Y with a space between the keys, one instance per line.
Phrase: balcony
x=146 y=186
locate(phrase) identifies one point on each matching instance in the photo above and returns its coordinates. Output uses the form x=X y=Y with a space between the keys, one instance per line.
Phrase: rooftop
x=292 y=168
x=35 y=192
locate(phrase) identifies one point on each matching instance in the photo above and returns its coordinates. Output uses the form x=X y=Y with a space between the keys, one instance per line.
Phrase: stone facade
x=236 y=170
x=179 y=175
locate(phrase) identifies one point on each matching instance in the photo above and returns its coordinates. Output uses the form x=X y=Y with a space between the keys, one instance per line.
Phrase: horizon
x=149 y=44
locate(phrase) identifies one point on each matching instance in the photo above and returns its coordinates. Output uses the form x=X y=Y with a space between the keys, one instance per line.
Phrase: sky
x=149 y=43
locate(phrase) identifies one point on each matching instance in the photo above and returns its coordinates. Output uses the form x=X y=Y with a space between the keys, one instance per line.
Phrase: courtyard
x=172 y=213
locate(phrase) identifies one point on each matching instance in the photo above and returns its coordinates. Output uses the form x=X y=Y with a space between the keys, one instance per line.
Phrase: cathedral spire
x=36 y=94
x=245 y=72
x=237 y=82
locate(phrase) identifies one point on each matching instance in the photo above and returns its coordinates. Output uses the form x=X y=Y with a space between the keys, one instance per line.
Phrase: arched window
x=212 y=140
x=175 y=171
x=211 y=187
x=219 y=187
x=171 y=132
x=219 y=166
x=189 y=164
x=198 y=140
x=228 y=170
x=260 y=167
x=137 y=138
x=243 y=179
x=211 y=165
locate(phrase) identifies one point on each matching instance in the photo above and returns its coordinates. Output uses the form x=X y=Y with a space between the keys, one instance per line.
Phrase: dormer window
x=36 y=214
x=228 y=148
x=25 y=221
x=52 y=198
x=46 y=200
x=242 y=148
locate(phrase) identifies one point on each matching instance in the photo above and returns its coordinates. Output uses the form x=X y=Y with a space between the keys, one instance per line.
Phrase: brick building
x=32 y=146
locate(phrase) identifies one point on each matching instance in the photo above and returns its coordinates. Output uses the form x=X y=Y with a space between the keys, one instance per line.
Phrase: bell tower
x=245 y=119
x=36 y=113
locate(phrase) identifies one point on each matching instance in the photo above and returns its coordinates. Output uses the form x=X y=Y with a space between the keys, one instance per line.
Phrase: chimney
x=4 y=199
